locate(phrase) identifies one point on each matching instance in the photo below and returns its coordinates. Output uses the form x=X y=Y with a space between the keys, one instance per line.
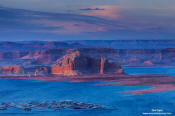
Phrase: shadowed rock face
x=41 y=71
x=77 y=63
x=123 y=57
x=12 y=70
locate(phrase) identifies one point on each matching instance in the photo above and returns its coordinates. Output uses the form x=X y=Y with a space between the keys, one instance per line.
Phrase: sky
x=27 y=20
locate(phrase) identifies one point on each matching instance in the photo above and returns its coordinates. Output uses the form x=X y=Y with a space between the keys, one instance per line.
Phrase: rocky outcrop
x=41 y=56
x=77 y=63
x=50 y=105
x=41 y=71
x=148 y=62
x=16 y=46
x=45 y=56
x=12 y=70
x=11 y=55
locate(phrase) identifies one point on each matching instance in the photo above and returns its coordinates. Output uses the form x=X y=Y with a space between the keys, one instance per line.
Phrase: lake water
x=119 y=104
x=142 y=70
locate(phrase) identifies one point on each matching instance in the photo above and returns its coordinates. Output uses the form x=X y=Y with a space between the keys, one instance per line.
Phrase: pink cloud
x=69 y=27
x=113 y=20
x=109 y=12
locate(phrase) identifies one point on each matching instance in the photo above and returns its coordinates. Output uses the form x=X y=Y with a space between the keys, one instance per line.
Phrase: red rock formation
x=12 y=70
x=76 y=63
x=102 y=66
x=133 y=59
x=41 y=71
x=65 y=65
x=148 y=62
x=41 y=56
x=45 y=56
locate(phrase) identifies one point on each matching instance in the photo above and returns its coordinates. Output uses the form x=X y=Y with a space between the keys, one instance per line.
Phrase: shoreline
x=159 y=82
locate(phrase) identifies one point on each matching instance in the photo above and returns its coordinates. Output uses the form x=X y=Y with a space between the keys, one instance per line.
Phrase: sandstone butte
x=15 y=69
x=76 y=63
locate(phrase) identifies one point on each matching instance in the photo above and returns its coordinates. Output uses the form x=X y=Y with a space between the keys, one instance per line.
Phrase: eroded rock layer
x=76 y=63
x=15 y=69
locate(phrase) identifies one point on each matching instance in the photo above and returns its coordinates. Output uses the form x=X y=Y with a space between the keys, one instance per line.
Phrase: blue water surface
x=118 y=103
x=151 y=70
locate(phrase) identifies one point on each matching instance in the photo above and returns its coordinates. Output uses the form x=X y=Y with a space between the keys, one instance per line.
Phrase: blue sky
x=91 y=19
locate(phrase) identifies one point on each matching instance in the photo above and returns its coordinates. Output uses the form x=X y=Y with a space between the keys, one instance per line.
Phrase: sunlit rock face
x=148 y=62
x=15 y=69
x=76 y=63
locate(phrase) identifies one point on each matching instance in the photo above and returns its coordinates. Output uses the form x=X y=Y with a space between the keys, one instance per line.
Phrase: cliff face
x=76 y=63
x=11 y=55
x=45 y=56
x=123 y=57
x=39 y=56
x=12 y=70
